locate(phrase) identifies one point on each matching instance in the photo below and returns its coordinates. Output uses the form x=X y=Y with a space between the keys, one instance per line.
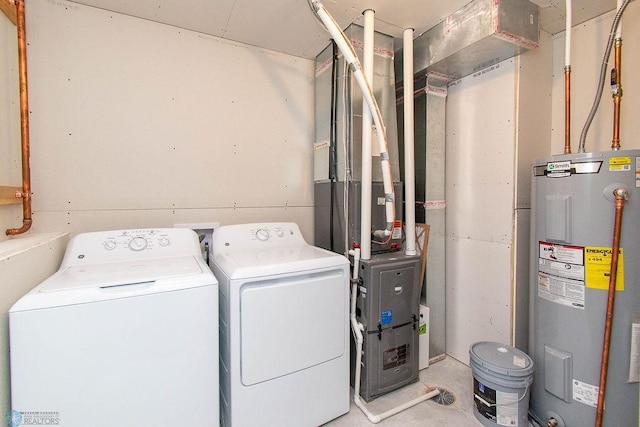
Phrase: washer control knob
x=263 y=234
x=109 y=245
x=164 y=241
x=280 y=232
x=137 y=243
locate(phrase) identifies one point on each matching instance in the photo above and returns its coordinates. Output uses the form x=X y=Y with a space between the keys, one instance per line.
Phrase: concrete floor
x=449 y=374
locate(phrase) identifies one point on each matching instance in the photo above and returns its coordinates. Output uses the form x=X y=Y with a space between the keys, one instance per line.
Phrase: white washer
x=284 y=327
x=124 y=334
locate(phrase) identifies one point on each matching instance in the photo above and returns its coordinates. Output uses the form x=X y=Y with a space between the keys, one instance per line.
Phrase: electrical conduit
x=616 y=84
x=603 y=72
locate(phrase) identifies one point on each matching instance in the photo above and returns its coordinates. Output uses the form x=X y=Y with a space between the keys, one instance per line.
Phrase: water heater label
x=558 y=169
x=585 y=393
x=637 y=171
x=561 y=274
x=619 y=164
x=634 y=360
x=562 y=253
x=598 y=263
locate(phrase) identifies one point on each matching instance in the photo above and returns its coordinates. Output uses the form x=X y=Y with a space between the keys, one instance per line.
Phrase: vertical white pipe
x=409 y=155
x=567 y=35
x=365 y=199
x=619 y=29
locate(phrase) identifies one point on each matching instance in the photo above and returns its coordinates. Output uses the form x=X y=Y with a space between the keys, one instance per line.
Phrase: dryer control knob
x=164 y=241
x=109 y=245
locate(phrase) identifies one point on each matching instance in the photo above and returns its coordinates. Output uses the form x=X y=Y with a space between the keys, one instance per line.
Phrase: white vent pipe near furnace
x=365 y=199
x=409 y=155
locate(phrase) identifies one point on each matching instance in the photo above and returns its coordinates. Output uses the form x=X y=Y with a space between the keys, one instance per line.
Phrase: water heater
x=573 y=211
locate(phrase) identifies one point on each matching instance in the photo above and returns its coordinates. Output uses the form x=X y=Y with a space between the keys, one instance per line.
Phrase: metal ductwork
x=481 y=34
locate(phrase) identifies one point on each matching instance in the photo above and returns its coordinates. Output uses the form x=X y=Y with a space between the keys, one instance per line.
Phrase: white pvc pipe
x=409 y=155
x=619 y=29
x=365 y=199
x=567 y=35
x=347 y=51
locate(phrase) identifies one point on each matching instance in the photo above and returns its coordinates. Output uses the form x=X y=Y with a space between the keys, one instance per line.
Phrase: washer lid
x=120 y=273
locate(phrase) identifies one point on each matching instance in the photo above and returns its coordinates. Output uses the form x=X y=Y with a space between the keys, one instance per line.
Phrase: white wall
x=480 y=152
x=138 y=124
x=10 y=160
x=533 y=132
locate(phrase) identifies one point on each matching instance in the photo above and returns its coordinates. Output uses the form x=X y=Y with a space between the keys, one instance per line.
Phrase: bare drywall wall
x=135 y=124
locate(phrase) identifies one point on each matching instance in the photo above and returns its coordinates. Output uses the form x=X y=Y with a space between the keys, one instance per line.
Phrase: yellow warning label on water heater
x=598 y=266
x=620 y=164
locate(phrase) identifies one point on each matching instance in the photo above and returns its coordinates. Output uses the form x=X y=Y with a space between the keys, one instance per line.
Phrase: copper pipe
x=621 y=195
x=24 y=123
x=567 y=109
x=617 y=95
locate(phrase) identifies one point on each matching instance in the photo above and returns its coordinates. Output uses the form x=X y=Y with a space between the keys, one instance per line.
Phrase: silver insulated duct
x=481 y=34
x=338 y=144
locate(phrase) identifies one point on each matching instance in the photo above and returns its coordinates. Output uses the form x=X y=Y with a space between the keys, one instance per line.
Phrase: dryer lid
x=274 y=261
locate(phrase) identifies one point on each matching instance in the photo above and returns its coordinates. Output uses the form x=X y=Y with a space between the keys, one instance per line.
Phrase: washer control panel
x=136 y=240
x=111 y=246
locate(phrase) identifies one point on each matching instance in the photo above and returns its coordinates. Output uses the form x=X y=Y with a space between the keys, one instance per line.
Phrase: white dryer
x=124 y=334
x=284 y=327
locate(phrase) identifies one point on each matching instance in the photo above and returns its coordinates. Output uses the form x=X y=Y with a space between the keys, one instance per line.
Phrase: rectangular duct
x=347 y=147
x=477 y=36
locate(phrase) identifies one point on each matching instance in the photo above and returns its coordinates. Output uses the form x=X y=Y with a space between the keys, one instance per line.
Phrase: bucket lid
x=501 y=358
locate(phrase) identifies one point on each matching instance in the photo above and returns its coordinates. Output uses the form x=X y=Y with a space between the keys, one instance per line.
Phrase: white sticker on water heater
x=585 y=393
x=637 y=171
x=561 y=274
x=634 y=362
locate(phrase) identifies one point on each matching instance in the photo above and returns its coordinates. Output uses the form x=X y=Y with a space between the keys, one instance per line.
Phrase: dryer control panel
x=240 y=237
